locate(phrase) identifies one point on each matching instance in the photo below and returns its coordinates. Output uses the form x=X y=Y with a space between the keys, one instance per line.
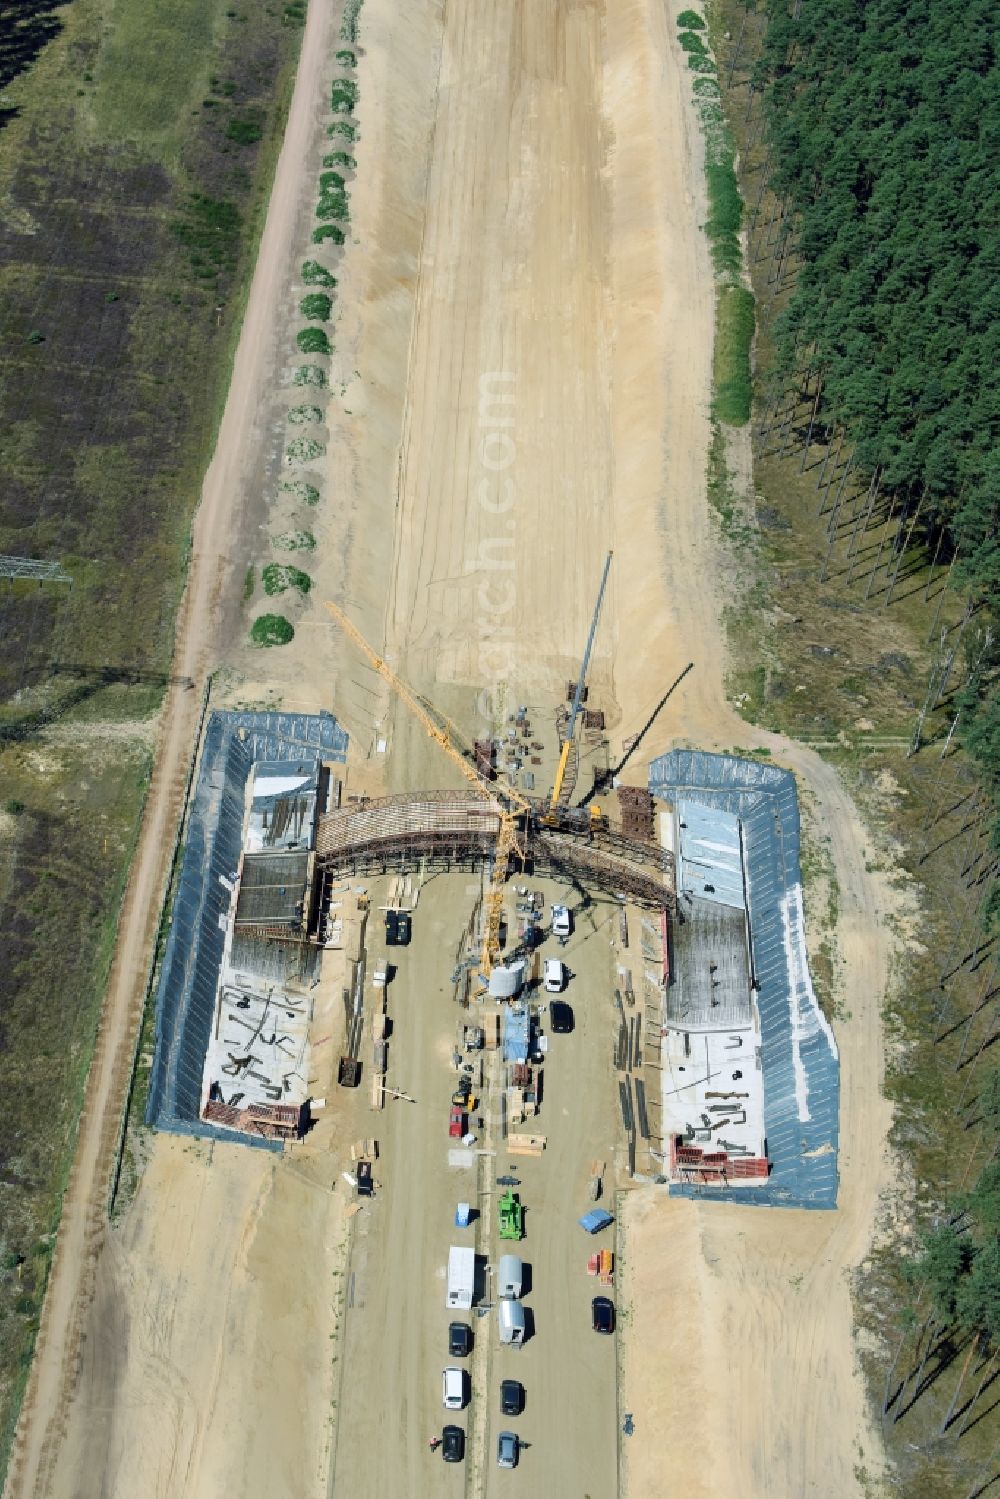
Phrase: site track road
x=83 y=1223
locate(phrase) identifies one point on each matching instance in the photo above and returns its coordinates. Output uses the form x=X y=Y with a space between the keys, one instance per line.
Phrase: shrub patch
x=279 y=576
x=271 y=629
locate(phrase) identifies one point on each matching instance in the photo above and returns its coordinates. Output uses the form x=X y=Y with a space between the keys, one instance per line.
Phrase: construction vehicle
x=567 y=744
x=511 y=1216
x=511 y=806
x=618 y=863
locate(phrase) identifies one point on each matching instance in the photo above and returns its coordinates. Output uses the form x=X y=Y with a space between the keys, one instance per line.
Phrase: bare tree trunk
x=886 y=1396
x=760 y=194
x=812 y=422
x=979 y=1390
x=856 y=534
x=786 y=246
x=906 y=546
x=776 y=412
x=848 y=470
x=930 y=575
x=736 y=54
x=789 y=421
x=762 y=238
x=916 y=1383
x=954 y=726
x=826 y=464
x=966 y=616
x=878 y=554
x=921 y=716
x=954 y=1399
x=947 y=583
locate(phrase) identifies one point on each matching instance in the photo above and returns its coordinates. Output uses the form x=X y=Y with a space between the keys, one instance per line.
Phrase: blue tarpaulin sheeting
x=185 y=998
x=516 y=1033
x=801 y=1068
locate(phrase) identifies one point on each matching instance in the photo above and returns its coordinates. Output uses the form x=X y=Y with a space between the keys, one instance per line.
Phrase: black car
x=453 y=1444
x=511 y=1397
x=560 y=1017
x=533 y=936
x=603 y=1311
x=459 y=1340
x=403 y=928
x=391 y=928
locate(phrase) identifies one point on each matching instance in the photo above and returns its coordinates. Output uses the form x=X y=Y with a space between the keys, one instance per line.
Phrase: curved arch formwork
x=459 y=828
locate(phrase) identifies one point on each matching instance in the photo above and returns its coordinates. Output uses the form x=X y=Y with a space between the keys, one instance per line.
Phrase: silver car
x=507 y=1449
x=562 y=921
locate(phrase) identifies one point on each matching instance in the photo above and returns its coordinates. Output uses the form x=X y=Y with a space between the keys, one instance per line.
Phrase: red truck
x=456 y=1123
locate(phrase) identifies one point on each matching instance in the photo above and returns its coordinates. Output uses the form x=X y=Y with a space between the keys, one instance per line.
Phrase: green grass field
x=153 y=72
x=135 y=164
x=734 y=330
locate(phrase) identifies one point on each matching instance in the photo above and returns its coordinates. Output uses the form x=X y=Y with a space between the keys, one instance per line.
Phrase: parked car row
x=510 y=1276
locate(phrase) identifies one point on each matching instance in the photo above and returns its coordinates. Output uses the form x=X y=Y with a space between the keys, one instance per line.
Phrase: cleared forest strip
x=855 y=633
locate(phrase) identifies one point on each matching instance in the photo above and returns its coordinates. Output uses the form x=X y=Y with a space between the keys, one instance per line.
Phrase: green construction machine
x=511 y=1216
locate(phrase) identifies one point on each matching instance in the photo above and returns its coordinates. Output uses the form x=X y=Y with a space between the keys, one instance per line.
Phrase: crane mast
x=578 y=694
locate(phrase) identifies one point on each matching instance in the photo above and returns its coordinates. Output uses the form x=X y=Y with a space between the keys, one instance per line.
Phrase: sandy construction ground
x=523 y=368
x=200 y=1342
x=557 y=403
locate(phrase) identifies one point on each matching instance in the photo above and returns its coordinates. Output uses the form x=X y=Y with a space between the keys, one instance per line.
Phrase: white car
x=554 y=976
x=453 y=1389
x=562 y=921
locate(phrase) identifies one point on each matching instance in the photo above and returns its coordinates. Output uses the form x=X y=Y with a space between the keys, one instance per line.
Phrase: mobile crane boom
x=578 y=694
x=500 y=792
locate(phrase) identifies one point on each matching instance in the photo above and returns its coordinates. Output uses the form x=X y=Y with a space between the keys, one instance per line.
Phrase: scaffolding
x=446 y=829
x=426 y=823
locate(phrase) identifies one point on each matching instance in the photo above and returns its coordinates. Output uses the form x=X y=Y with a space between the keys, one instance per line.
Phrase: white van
x=562 y=921
x=554 y=976
x=510 y=1315
x=510 y=1277
x=461 y=1277
x=453 y=1389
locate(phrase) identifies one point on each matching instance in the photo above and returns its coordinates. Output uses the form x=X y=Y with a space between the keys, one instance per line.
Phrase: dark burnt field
x=137 y=142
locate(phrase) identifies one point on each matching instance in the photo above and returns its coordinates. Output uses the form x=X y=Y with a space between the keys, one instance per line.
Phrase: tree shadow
x=94 y=680
x=982 y=1417
x=27 y=27
x=945 y=1353
x=976 y=1395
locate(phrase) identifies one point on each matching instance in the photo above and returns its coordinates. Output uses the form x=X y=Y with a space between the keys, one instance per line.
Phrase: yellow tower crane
x=501 y=793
